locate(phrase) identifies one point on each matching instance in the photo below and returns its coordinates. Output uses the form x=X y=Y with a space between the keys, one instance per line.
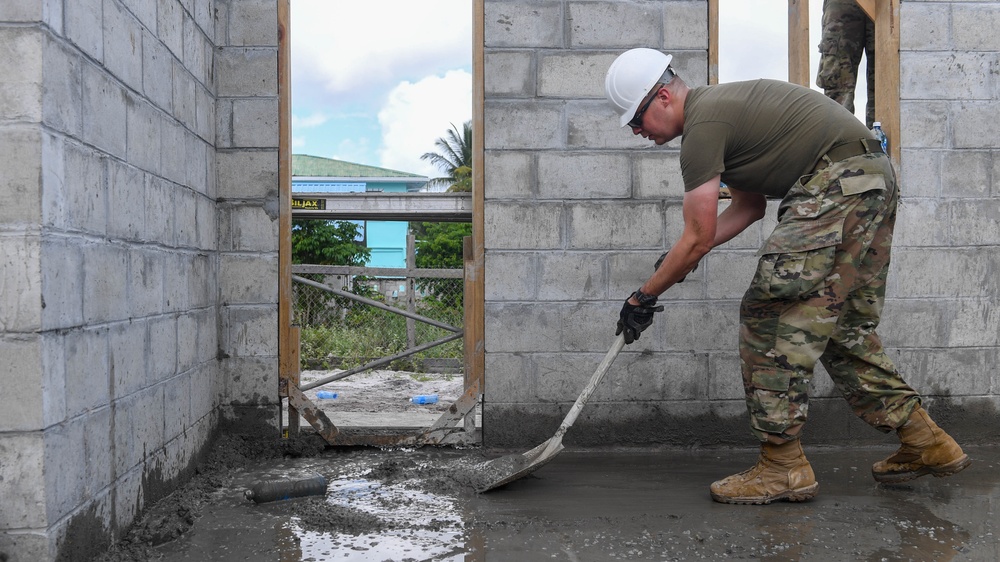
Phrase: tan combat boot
x=925 y=449
x=781 y=473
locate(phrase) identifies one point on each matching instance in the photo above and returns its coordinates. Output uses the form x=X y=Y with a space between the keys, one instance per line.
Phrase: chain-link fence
x=340 y=332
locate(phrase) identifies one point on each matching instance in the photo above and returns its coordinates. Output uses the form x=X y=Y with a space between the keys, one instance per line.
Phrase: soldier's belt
x=848 y=149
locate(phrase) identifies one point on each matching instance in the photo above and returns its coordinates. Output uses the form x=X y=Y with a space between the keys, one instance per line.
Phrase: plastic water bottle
x=273 y=490
x=425 y=399
x=880 y=135
x=326 y=395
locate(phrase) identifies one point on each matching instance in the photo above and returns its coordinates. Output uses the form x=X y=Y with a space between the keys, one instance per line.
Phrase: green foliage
x=321 y=242
x=439 y=246
x=454 y=152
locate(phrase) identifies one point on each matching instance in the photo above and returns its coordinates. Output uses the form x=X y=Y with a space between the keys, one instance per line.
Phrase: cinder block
x=60 y=264
x=609 y=225
x=21 y=162
x=62 y=90
x=185 y=97
x=685 y=25
x=123 y=45
x=512 y=377
x=126 y=199
x=921 y=29
x=527 y=226
x=247 y=174
x=707 y=326
x=585 y=175
x=574 y=75
x=104 y=284
x=196 y=176
x=509 y=73
x=922 y=123
x=657 y=175
x=21 y=279
x=162 y=358
x=916 y=323
x=511 y=276
x=85 y=26
x=207 y=346
x=967 y=173
x=187 y=341
x=948 y=372
x=128 y=349
x=143 y=10
x=176 y=406
x=947 y=75
x=247 y=228
x=138 y=428
x=82 y=202
x=197 y=54
x=614 y=24
x=255 y=123
x=21 y=11
x=204 y=16
x=159 y=211
x=691 y=66
x=248 y=278
x=922 y=222
x=21 y=66
x=253 y=23
x=178 y=281
x=571 y=276
x=919 y=173
x=186 y=217
x=144 y=145
x=972 y=26
x=206 y=232
x=77 y=463
x=157 y=72
x=21 y=405
x=22 y=475
x=523 y=125
x=972 y=124
x=129 y=499
x=974 y=325
x=515 y=24
x=725 y=379
x=752 y=237
x=208 y=388
x=247 y=376
x=590 y=327
x=173 y=151
x=728 y=273
x=104 y=112
x=523 y=328
x=251 y=331
x=87 y=370
x=594 y=125
x=509 y=175
x=242 y=72
x=170 y=26
x=974 y=222
x=629 y=270
x=205 y=102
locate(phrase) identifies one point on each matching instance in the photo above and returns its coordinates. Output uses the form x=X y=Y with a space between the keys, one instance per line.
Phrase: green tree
x=439 y=245
x=454 y=152
x=321 y=242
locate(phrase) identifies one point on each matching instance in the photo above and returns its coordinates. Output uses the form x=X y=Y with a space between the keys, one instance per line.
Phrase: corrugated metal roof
x=317 y=167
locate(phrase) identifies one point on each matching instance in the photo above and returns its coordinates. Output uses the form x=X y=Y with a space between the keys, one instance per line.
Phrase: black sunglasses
x=636 y=122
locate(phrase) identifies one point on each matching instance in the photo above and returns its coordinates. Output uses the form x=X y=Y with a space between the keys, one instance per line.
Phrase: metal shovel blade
x=494 y=473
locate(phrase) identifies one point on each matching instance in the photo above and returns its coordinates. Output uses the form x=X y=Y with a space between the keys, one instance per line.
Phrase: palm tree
x=454 y=158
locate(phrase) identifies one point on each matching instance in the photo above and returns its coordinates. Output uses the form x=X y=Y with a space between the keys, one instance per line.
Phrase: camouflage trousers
x=847 y=33
x=817 y=295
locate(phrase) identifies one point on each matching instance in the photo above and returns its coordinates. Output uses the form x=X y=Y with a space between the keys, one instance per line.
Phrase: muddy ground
x=585 y=505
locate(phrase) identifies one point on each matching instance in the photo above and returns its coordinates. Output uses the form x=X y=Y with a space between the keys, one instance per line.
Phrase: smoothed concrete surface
x=595 y=505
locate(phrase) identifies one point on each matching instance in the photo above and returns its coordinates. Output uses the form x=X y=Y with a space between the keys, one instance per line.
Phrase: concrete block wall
x=127 y=238
x=577 y=211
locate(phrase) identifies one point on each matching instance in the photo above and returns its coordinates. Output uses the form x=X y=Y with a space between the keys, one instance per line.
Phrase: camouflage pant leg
x=817 y=295
x=847 y=33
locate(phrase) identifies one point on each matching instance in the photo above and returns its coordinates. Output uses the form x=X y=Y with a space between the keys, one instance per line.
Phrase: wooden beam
x=868 y=7
x=475 y=278
x=887 y=73
x=798 y=42
x=287 y=370
x=713 y=41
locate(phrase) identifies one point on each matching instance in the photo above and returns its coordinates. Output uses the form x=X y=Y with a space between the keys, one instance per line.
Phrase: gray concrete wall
x=137 y=151
x=577 y=210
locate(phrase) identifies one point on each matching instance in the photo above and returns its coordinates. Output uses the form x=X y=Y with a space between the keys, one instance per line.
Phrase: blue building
x=385 y=239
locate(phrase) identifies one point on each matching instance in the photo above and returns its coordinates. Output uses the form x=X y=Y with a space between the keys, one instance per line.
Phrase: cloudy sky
x=377 y=82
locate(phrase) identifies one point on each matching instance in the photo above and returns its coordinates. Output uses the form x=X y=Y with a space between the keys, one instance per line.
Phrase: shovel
x=499 y=471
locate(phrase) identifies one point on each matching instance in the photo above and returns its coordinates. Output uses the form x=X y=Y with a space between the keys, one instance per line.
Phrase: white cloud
x=347 y=48
x=417 y=114
x=298 y=142
x=313 y=120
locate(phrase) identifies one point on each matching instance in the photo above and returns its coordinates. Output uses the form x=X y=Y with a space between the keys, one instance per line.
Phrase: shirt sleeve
x=703 y=150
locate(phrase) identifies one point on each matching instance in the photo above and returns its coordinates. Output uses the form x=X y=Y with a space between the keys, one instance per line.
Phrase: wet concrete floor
x=588 y=505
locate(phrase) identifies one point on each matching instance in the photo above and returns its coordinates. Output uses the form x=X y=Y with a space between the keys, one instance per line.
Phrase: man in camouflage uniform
x=818 y=291
x=847 y=32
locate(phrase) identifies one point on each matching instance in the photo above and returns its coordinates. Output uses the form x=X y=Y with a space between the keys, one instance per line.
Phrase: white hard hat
x=631 y=77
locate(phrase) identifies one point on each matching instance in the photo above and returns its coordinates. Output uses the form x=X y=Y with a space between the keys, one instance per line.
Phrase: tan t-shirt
x=761 y=135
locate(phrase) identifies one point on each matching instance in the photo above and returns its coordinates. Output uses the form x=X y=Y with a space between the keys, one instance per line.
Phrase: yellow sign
x=309 y=204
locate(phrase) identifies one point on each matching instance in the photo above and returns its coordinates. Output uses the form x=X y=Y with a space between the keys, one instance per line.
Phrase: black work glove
x=660 y=261
x=633 y=319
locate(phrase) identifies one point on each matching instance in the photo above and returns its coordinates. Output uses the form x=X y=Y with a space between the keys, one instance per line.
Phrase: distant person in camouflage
x=819 y=287
x=847 y=33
